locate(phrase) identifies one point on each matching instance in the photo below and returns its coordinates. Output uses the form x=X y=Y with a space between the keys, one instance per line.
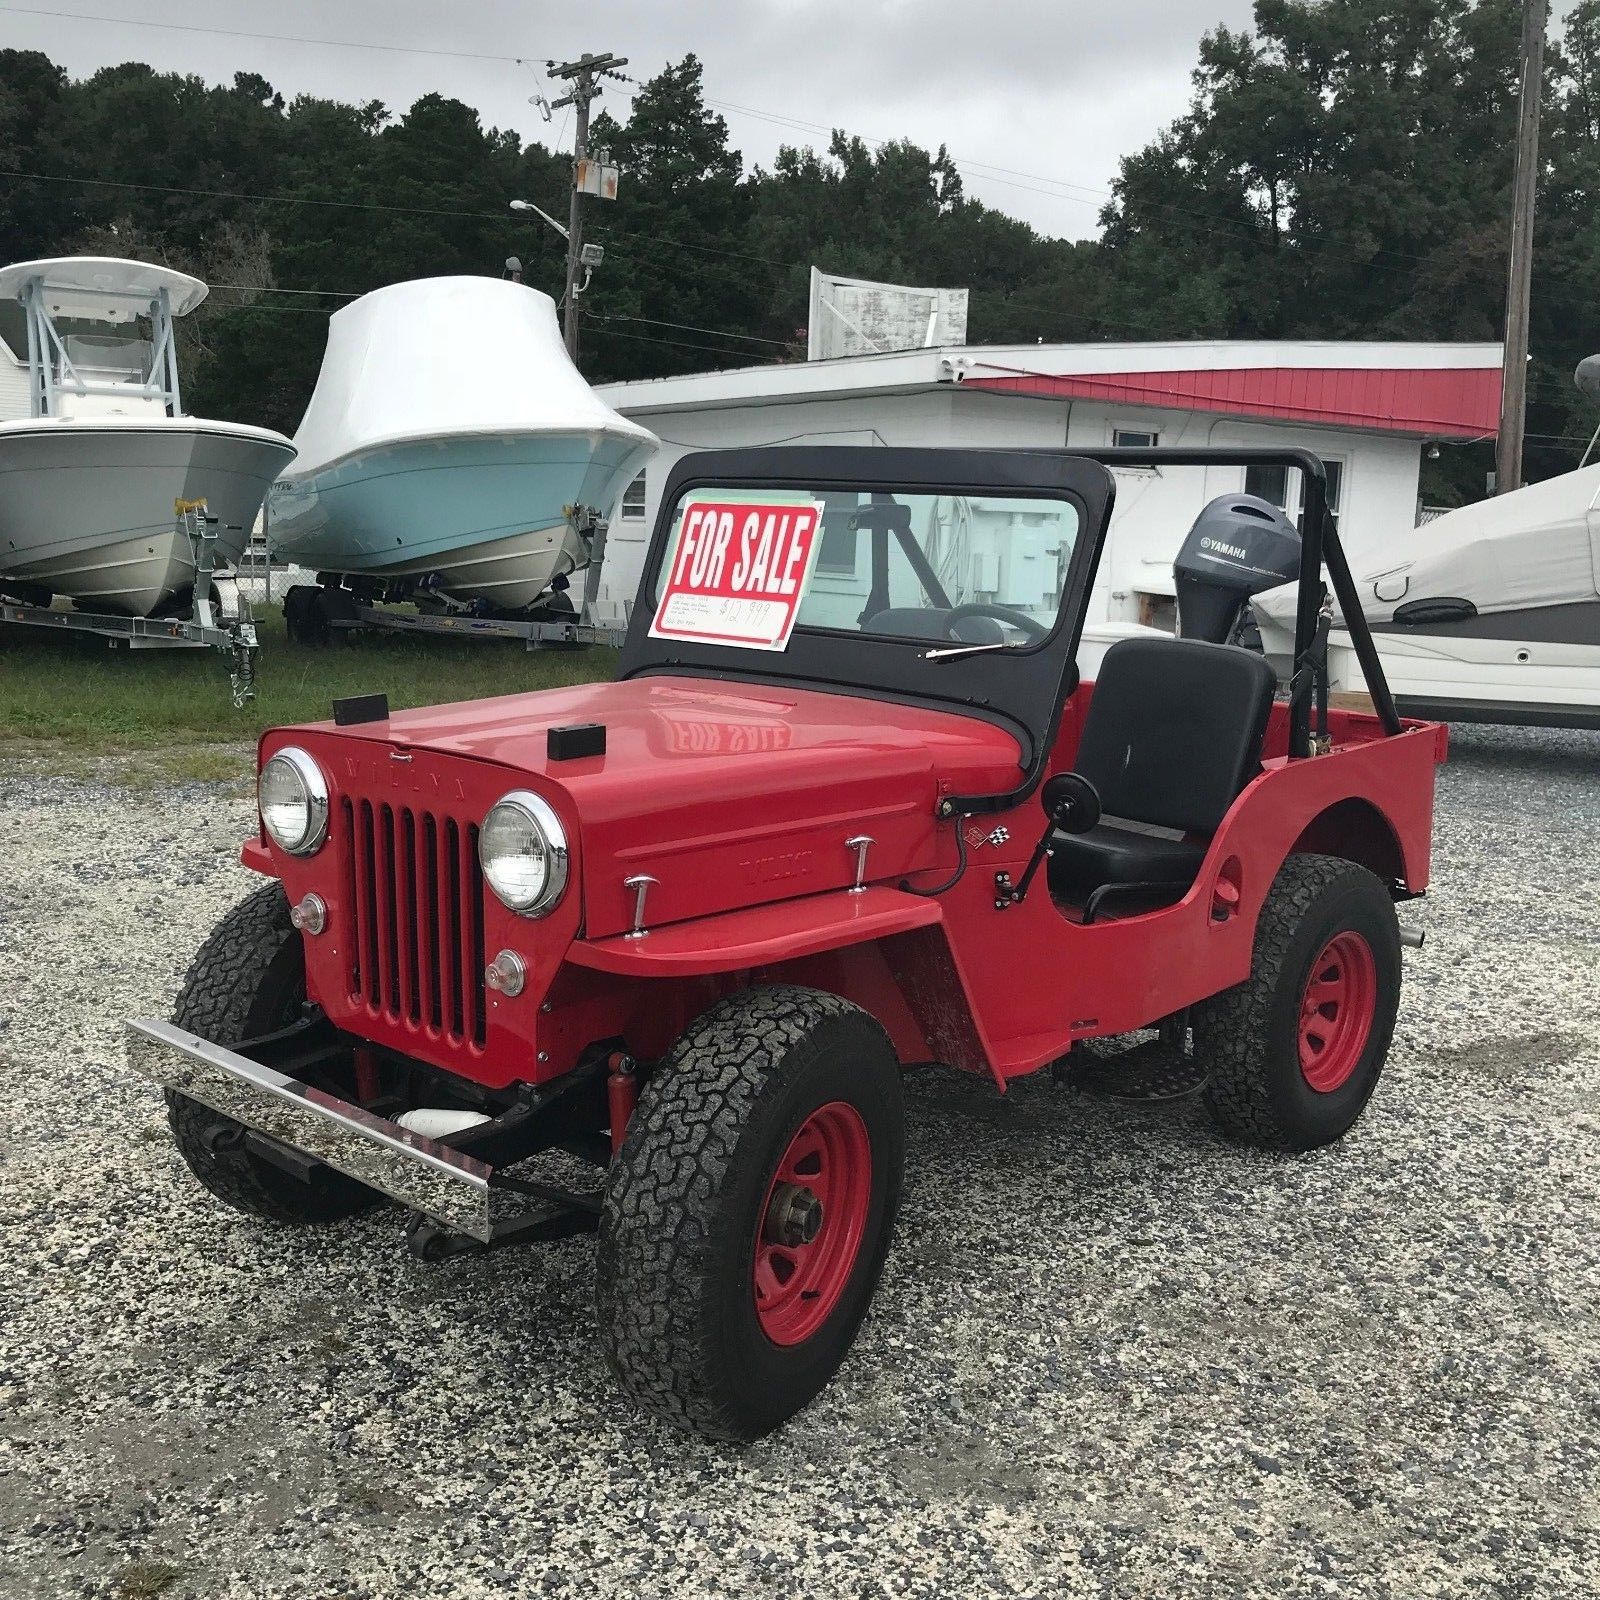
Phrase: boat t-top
x=110 y=496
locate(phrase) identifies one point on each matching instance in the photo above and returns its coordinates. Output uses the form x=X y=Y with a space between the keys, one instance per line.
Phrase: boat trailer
x=219 y=617
x=310 y=622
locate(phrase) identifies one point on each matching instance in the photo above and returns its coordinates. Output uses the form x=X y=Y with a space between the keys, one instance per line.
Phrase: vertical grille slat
x=450 y=893
x=405 y=949
x=464 y=940
x=388 y=925
x=472 y=944
x=352 y=897
x=426 y=918
x=415 y=892
x=366 y=908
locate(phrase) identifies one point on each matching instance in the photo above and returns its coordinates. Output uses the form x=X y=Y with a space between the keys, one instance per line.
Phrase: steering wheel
x=1020 y=620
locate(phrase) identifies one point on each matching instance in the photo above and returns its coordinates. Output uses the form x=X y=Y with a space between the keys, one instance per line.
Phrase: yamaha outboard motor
x=1240 y=545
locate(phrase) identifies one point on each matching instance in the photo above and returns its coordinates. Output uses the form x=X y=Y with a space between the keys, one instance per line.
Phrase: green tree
x=678 y=255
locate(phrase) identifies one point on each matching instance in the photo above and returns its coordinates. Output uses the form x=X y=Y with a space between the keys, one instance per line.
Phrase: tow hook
x=220 y=1136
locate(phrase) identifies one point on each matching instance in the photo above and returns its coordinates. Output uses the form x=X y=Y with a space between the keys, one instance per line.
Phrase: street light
x=528 y=205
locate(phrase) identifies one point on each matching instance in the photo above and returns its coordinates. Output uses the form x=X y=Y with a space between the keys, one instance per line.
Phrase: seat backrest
x=1174 y=730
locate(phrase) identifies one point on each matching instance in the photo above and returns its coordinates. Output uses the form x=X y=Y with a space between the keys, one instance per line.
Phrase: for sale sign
x=738 y=572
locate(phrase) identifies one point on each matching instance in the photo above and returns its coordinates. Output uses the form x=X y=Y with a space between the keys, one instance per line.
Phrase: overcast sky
x=1055 y=91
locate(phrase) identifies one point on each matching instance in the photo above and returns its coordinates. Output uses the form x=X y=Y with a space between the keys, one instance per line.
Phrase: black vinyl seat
x=1174 y=732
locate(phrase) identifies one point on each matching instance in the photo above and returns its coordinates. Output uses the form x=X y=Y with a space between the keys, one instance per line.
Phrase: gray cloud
x=1055 y=90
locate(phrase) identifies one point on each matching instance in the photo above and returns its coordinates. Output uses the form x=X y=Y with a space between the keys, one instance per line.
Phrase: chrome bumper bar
x=455 y=1189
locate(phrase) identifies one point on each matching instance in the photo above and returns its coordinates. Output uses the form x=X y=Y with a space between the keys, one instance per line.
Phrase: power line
x=244 y=33
x=260 y=199
x=986 y=171
x=614 y=316
x=262 y=288
x=1085 y=195
x=681 y=344
x=359 y=205
x=691 y=327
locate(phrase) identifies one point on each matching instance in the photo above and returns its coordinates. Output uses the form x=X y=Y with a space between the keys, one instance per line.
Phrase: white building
x=1369 y=410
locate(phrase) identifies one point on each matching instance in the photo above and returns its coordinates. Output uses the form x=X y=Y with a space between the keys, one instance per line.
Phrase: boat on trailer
x=451 y=456
x=1490 y=613
x=110 y=496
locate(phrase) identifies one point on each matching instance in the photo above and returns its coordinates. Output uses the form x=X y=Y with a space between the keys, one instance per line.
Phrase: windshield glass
x=747 y=567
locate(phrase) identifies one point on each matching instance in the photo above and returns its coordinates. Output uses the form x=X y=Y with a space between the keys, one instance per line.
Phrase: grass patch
x=144 y=1580
x=78 y=694
x=130 y=765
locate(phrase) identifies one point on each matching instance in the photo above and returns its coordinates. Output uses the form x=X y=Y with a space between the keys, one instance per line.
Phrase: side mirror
x=1071 y=802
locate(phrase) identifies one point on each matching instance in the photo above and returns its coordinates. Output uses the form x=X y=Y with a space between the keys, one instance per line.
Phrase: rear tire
x=715 y=1314
x=248 y=979
x=1294 y=1053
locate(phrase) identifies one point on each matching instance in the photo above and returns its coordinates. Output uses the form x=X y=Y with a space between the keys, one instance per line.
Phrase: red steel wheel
x=1336 y=1011
x=812 y=1223
x=748 y=1213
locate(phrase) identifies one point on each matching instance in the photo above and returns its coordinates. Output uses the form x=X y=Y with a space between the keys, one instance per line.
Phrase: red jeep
x=847 y=809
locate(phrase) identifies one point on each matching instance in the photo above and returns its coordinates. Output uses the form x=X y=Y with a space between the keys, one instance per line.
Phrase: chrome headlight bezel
x=541 y=818
x=313 y=785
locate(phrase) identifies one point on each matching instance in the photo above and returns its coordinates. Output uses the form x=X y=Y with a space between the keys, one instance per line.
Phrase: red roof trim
x=1438 y=402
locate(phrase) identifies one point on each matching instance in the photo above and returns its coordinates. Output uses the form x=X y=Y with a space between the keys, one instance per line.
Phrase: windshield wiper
x=956 y=651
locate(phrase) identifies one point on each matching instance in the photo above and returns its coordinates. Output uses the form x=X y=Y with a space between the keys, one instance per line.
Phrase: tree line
x=1343 y=171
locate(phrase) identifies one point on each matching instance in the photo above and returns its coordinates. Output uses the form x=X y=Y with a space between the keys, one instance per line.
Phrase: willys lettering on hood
x=713 y=790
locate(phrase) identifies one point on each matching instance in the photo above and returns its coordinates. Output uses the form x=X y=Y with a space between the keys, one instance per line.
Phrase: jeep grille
x=414 y=882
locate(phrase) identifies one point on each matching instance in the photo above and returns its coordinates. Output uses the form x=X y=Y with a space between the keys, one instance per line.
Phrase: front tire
x=1294 y=1053
x=748 y=1213
x=247 y=979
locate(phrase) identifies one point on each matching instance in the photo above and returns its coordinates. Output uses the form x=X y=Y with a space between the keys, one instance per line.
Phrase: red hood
x=726 y=794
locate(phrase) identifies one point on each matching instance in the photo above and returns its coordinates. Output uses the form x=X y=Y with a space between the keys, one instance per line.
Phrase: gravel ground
x=1111 y=1356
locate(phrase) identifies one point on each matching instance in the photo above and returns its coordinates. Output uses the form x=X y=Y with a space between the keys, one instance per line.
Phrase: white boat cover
x=446 y=357
x=1537 y=546
x=102 y=288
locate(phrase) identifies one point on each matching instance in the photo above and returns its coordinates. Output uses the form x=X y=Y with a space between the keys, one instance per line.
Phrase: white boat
x=452 y=448
x=1486 y=614
x=97 y=459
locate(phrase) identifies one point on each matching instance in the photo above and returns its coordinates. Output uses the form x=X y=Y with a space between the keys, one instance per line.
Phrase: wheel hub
x=1336 y=1011
x=812 y=1223
x=794 y=1217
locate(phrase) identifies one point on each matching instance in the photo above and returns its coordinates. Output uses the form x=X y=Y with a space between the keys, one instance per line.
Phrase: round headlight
x=293 y=797
x=522 y=848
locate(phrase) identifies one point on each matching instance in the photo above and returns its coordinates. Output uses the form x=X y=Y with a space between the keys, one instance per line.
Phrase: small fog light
x=506 y=974
x=311 y=915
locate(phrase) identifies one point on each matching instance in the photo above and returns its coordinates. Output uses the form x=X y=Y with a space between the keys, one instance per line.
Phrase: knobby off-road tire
x=770 y=1084
x=1294 y=1053
x=248 y=979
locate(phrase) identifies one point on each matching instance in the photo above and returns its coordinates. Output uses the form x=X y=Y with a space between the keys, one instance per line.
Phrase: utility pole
x=1524 y=190
x=583 y=74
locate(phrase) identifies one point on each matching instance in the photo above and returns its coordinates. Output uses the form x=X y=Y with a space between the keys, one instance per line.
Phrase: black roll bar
x=1319 y=543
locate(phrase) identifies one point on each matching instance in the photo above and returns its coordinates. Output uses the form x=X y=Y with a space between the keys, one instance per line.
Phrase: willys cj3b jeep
x=847 y=808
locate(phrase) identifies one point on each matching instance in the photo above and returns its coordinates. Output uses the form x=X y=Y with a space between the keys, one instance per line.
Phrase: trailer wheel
x=748 y=1213
x=249 y=978
x=303 y=618
x=1294 y=1052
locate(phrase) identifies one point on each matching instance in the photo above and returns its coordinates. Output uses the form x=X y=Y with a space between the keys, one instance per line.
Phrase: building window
x=1272 y=484
x=633 y=501
x=1269 y=483
x=1335 y=484
x=1134 y=439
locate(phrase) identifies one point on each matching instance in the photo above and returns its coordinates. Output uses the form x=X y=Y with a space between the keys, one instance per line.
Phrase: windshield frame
x=1022 y=689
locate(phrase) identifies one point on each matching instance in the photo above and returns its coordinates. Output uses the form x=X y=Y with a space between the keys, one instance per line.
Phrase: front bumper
x=451 y=1187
